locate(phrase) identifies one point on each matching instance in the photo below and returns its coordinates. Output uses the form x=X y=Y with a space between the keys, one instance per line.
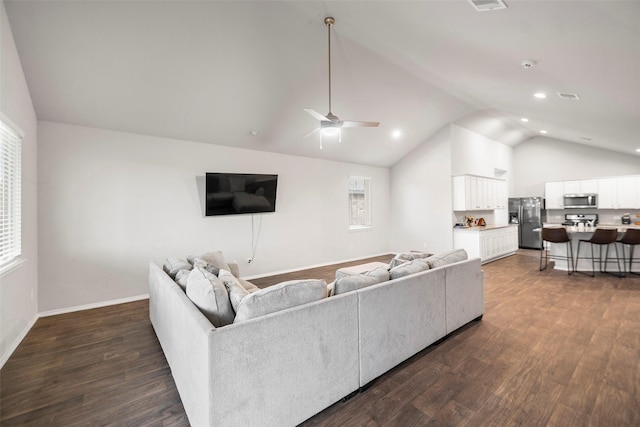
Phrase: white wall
x=543 y=159
x=18 y=288
x=110 y=202
x=421 y=202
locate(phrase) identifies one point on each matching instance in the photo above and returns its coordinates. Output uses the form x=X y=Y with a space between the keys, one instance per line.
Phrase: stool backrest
x=631 y=237
x=555 y=235
x=604 y=236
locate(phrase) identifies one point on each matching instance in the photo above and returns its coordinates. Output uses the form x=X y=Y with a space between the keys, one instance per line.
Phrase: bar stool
x=556 y=235
x=601 y=237
x=631 y=237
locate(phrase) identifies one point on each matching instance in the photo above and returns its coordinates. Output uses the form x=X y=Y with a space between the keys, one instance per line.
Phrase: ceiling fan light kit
x=330 y=124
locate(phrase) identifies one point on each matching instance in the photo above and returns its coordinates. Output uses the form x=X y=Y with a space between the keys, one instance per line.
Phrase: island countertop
x=484 y=227
x=573 y=229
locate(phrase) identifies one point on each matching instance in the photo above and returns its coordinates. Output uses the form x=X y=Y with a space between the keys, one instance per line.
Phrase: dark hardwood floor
x=551 y=350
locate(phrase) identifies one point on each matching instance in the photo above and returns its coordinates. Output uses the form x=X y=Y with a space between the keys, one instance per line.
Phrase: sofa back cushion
x=280 y=297
x=403 y=257
x=181 y=278
x=409 y=267
x=210 y=295
x=359 y=281
x=445 y=258
x=216 y=259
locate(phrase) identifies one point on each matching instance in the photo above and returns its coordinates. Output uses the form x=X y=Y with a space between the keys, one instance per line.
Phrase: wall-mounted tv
x=240 y=193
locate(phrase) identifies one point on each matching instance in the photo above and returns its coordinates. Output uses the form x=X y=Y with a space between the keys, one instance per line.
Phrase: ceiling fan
x=331 y=125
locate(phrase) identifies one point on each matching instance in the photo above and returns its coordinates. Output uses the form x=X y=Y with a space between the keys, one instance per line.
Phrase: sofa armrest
x=465 y=293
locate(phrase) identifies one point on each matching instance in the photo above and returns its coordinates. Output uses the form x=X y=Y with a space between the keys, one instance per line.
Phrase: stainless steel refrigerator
x=529 y=214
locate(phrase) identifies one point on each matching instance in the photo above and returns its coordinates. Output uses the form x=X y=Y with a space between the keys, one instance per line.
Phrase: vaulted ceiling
x=218 y=71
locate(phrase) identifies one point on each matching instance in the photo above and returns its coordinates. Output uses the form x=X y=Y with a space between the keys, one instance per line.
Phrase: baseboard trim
x=93 y=305
x=17 y=341
x=275 y=273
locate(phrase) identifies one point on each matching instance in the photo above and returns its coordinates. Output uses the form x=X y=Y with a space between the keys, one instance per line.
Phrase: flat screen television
x=240 y=193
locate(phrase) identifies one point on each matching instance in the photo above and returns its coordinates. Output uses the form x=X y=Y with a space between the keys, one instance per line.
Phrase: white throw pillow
x=280 y=297
x=359 y=281
x=172 y=265
x=410 y=267
x=210 y=295
x=181 y=278
x=446 y=258
x=214 y=258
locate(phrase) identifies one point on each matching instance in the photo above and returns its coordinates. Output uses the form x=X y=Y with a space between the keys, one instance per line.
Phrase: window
x=10 y=193
x=359 y=202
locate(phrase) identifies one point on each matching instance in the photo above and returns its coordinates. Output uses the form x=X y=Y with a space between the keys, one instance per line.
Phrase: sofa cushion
x=445 y=258
x=199 y=262
x=359 y=281
x=403 y=257
x=215 y=258
x=172 y=265
x=181 y=278
x=409 y=267
x=210 y=295
x=280 y=297
x=236 y=291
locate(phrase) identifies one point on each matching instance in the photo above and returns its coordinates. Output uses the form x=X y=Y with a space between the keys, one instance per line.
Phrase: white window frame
x=359 y=185
x=10 y=195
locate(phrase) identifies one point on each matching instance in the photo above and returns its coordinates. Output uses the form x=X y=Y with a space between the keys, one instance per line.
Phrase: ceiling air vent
x=484 y=5
x=565 y=95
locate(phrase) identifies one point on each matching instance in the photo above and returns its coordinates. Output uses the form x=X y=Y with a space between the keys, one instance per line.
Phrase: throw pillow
x=403 y=257
x=445 y=258
x=409 y=267
x=236 y=291
x=199 y=262
x=210 y=295
x=181 y=278
x=280 y=297
x=214 y=258
x=359 y=281
x=172 y=265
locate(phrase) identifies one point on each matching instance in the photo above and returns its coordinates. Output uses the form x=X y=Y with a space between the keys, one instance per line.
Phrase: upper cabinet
x=613 y=193
x=475 y=193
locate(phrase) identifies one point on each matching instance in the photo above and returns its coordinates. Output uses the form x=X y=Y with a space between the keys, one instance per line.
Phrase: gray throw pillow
x=237 y=292
x=280 y=297
x=403 y=257
x=210 y=295
x=181 y=278
x=409 y=267
x=446 y=258
x=359 y=281
x=172 y=265
x=215 y=258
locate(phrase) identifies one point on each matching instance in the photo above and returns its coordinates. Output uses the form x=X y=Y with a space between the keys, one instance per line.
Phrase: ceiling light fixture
x=638 y=150
x=524 y=119
x=396 y=134
x=543 y=131
x=540 y=95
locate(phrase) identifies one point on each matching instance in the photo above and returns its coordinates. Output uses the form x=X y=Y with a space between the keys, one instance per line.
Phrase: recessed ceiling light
x=524 y=119
x=638 y=150
x=543 y=131
x=540 y=95
x=254 y=133
x=396 y=134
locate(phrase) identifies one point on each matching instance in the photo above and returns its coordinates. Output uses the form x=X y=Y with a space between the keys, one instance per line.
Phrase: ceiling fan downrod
x=329 y=21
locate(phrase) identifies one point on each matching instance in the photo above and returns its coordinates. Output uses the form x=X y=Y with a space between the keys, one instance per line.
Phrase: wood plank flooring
x=551 y=350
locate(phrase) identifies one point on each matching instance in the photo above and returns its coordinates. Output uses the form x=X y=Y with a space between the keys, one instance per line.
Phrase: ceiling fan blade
x=310 y=133
x=316 y=115
x=354 y=124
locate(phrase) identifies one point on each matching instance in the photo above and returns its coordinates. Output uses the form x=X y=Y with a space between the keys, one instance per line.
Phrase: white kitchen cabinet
x=553 y=195
x=487 y=244
x=473 y=193
x=628 y=192
x=580 y=187
x=608 y=193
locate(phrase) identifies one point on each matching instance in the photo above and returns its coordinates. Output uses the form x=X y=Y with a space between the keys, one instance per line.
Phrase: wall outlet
x=249 y=261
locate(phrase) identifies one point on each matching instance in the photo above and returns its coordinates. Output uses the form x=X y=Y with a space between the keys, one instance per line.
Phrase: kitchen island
x=488 y=242
x=582 y=233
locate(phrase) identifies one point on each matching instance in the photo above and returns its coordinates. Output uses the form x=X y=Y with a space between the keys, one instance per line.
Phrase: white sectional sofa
x=282 y=368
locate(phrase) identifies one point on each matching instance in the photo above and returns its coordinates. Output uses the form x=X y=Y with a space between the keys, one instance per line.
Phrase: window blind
x=10 y=192
x=359 y=202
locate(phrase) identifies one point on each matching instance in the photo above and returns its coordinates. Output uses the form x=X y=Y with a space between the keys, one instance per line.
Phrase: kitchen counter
x=484 y=227
x=574 y=229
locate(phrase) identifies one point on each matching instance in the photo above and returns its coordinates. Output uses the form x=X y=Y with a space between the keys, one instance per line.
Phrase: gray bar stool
x=631 y=237
x=556 y=235
x=601 y=237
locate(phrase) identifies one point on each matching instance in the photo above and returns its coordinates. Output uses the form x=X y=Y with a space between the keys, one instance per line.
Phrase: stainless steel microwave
x=580 y=201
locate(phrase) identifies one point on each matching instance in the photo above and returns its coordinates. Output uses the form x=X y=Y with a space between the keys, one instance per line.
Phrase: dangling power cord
x=254 y=240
